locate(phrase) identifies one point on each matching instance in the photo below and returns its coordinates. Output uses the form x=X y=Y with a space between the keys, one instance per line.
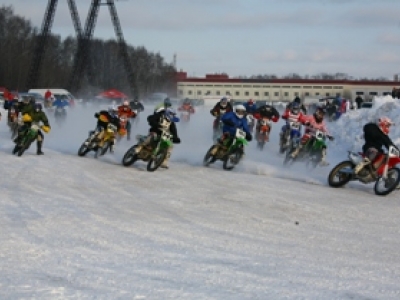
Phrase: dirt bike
x=60 y=115
x=185 y=116
x=262 y=134
x=123 y=120
x=229 y=154
x=291 y=135
x=217 y=130
x=27 y=138
x=13 y=123
x=93 y=142
x=386 y=175
x=310 y=153
x=250 y=122
x=154 y=153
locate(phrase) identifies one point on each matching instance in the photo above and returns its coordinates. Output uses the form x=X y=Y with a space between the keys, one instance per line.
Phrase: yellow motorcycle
x=99 y=141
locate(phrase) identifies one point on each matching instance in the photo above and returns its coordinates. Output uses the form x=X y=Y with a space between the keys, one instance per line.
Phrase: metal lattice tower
x=40 y=44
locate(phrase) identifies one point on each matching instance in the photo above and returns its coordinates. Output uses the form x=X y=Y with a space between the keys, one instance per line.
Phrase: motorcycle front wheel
x=157 y=160
x=232 y=159
x=384 y=187
x=336 y=178
x=130 y=156
x=209 y=158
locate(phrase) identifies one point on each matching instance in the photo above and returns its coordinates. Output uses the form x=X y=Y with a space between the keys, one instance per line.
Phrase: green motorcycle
x=27 y=138
x=310 y=153
x=154 y=153
x=229 y=154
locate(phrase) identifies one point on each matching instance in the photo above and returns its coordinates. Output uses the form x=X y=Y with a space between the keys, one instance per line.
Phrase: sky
x=84 y=228
x=250 y=37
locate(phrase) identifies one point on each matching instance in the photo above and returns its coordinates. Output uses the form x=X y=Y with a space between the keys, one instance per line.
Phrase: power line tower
x=81 y=57
x=41 y=39
x=81 y=62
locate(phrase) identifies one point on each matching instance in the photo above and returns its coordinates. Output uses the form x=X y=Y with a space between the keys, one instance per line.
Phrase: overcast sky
x=249 y=37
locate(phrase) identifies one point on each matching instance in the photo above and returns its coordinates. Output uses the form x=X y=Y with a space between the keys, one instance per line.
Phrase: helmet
x=240 y=110
x=384 y=124
x=125 y=103
x=167 y=102
x=223 y=102
x=319 y=114
x=295 y=109
x=250 y=102
x=38 y=106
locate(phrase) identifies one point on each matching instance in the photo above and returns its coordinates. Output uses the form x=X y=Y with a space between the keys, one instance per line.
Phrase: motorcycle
x=262 y=135
x=13 y=122
x=230 y=155
x=60 y=114
x=185 y=116
x=154 y=153
x=386 y=175
x=290 y=138
x=124 y=128
x=93 y=142
x=311 y=152
x=250 y=122
x=27 y=138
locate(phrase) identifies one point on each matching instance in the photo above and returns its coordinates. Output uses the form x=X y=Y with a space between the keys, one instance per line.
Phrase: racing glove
x=248 y=137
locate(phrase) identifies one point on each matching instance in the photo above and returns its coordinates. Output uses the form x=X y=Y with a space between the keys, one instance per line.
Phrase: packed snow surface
x=84 y=228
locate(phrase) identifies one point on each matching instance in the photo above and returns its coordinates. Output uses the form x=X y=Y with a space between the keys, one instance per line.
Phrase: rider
x=165 y=104
x=266 y=111
x=232 y=121
x=29 y=116
x=186 y=106
x=136 y=105
x=162 y=120
x=251 y=108
x=292 y=114
x=125 y=110
x=60 y=103
x=223 y=106
x=376 y=136
x=313 y=122
x=298 y=101
x=104 y=117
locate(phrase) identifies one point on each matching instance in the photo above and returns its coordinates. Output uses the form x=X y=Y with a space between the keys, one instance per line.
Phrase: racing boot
x=39 y=148
x=164 y=164
x=323 y=161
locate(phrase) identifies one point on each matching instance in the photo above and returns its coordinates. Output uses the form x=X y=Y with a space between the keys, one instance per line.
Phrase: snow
x=86 y=228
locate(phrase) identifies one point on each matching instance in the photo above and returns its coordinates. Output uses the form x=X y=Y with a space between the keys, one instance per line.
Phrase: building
x=219 y=85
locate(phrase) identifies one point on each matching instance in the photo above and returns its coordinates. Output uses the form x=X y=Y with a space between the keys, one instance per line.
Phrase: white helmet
x=240 y=110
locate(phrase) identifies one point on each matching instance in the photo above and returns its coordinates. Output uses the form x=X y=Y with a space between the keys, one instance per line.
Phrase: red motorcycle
x=185 y=112
x=263 y=130
x=386 y=176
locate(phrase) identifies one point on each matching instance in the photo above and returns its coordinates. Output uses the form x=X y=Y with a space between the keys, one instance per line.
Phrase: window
x=189 y=92
x=256 y=86
x=247 y=86
x=316 y=94
x=307 y=94
x=337 y=94
x=246 y=93
x=327 y=94
x=359 y=93
x=217 y=93
x=296 y=87
x=198 y=92
x=286 y=94
x=296 y=94
x=373 y=93
x=327 y=87
x=237 y=93
x=317 y=87
x=338 y=88
x=208 y=93
x=256 y=94
x=228 y=93
x=266 y=94
x=276 y=87
x=276 y=94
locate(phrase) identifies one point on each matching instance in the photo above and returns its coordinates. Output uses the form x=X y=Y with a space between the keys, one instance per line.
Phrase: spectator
x=359 y=101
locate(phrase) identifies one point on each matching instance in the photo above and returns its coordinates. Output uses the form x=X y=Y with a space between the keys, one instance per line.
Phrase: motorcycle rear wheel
x=209 y=158
x=389 y=183
x=343 y=178
x=229 y=164
x=83 y=150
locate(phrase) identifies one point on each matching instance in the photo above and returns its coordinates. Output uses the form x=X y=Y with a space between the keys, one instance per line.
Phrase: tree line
x=17 y=42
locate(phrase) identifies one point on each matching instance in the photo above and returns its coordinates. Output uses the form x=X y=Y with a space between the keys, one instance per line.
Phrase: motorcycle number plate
x=240 y=133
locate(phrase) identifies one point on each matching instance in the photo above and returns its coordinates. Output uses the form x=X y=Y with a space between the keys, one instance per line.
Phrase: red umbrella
x=112 y=94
